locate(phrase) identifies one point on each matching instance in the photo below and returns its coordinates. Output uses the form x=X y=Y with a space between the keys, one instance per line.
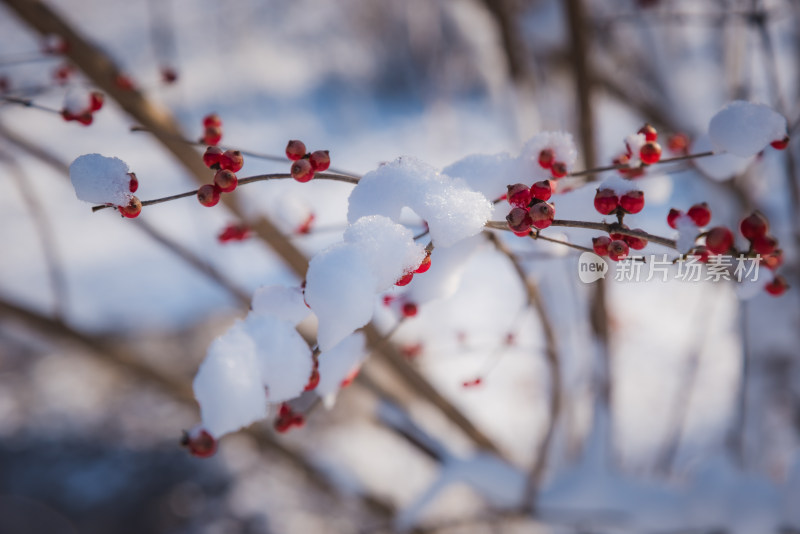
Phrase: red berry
x=636 y=243
x=313 y=380
x=542 y=215
x=632 y=201
x=600 y=245
x=409 y=309
x=546 y=158
x=650 y=153
x=226 y=180
x=63 y=73
x=605 y=201
x=519 y=195
x=780 y=144
x=618 y=250
x=774 y=260
x=169 y=75
x=231 y=160
x=702 y=253
x=285 y=411
x=133 y=184
x=425 y=264
x=719 y=240
x=211 y=157
x=754 y=225
x=519 y=220
x=777 y=287
x=282 y=425
x=208 y=195
x=305 y=226
x=132 y=210
x=700 y=214
x=199 y=442
x=96 y=99
x=678 y=143
x=650 y=133
x=302 y=171
x=212 y=135
x=349 y=378
x=234 y=232
x=320 y=160
x=405 y=279
x=765 y=245
x=542 y=190
x=212 y=120
x=672 y=218
x=85 y=118
x=295 y=150
x=472 y=383
x=558 y=169
x=123 y=82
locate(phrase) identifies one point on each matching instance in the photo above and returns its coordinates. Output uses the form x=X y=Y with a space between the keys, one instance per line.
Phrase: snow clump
x=744 y=129
x=101 y=180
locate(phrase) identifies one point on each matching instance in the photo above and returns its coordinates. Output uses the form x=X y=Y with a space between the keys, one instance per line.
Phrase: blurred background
x=613 y=407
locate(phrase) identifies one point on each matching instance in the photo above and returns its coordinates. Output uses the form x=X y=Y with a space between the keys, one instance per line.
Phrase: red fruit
x=700 y=214
x=636 y=243
x=231 y=160
x=212 y=135
x=211 y=157
x=132 y=210
x=618 y=250
x=600 y=245
x=349 y=378
x=295 y=150
x=234 y=232
x=199 y=442
x=650 y=153
x=85 y=118
x=409 y=309
x=302 y=171
x=320 y=160
x=425 y=264
x=412 y=351
x=672 y=218
x=558 y=169
x=472 y=383
x=605 y=201
x=777 y=287
x=542 y=215
x=542 y=190
x=133 y=185
x=632 y=201
x=519 y=195
x=123 y=82
x=719 y=240
x=313 y=380
x=765 y=245
x=226 y=180
x=519 y=220
x=702 y=253
x=405 y=279
x=212 y=120
x=774 y=260
x=169 y=75
x=678 y=143
x=208 y=195
x=96 y=99
x=546 y=159
x=650 y=133
x=285 y=411
x=305 y=226
x=780 y=144
x=282 y=424
x=754 y=225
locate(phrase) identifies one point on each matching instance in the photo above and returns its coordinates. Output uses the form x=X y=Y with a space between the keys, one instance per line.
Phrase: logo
x=591 y=267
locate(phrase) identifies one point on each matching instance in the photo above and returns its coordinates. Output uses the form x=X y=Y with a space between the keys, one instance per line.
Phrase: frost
x=744 y=129
x=228 y=385
x=687 y=233
x=280 y=302
x=336 y=364
x=101 y=180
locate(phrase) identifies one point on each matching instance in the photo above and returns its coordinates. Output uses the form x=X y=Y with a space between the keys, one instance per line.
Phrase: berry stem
x=28 y=104
x=598 y=170
x=244 y=181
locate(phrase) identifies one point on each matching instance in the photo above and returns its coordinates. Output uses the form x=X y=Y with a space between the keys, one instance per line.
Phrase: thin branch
x=601 y=226
x=28 y=103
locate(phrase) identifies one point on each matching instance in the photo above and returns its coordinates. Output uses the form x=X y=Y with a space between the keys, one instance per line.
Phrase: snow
x=280 y=302
x=444 y=276
x=339 y=362
x=77 y=100
x=719 y=167
x=488 y=174
x=563 y=147
x=744 y=129
x=101 y=180
x=634 y=144
x=619 y=185
x=687 y=233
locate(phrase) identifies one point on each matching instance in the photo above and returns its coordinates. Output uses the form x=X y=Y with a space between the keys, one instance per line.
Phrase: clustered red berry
x=227 y=163
x=212 y=134
x=234 y=232
x=424 y=265
x=607 y=202
x=86 y=115
x=648 y=153
x=306 y=164
x=547 y=160
x=617 y=245
x=199 y=442
x=700 y=214
x=134 y=207
x=529 y=206
x=287 y=418
x=755 y=228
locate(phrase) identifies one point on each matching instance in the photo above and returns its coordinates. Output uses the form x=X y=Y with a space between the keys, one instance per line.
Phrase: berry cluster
x=424 y=265
x=617 y=245
x=755 y=228
x=84 y=112
x=608 y=202
x=306 y=164
x=700 y=215
x=227 y=163
x=529 y=206
x=641 y=149
x=547 y=160
x=213 y=130
x=199 y=442
x=234 y=232
x=287 y=418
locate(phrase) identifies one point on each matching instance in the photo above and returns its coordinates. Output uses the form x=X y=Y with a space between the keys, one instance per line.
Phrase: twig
x=602 y=227
x=28 y=103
